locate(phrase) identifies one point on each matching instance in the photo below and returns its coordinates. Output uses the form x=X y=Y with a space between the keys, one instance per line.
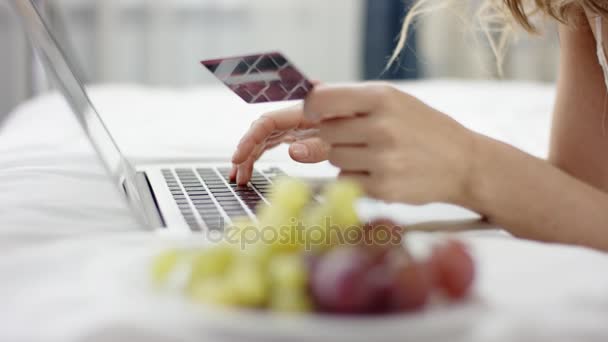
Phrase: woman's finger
x=327 y=102
x=233 y=172
x=245 y=170
x=311 y=150
x=346 y=131
x=351 y=159
x=265 y=126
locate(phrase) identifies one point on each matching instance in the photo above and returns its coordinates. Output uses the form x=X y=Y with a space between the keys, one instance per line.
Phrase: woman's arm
x=405 y=151
x=564 y=200
x=401 y=150
x=579 y=142
x=533 y=199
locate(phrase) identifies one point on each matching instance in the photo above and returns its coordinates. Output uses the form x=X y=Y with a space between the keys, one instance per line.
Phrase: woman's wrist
x=483 y=151
x=493 y=164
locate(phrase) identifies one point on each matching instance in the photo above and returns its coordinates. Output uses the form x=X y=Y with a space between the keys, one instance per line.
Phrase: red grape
x=454 y=269
x=348 y=280
x=412 y=287
x=383 y=234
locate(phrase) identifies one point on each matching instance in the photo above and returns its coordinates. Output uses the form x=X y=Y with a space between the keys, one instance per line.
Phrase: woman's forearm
x=533 y=199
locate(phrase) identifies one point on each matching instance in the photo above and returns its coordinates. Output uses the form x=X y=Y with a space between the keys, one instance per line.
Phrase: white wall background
x=160 y=42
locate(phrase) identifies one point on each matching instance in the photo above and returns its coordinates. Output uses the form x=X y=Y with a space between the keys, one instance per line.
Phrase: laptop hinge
x=148 y=200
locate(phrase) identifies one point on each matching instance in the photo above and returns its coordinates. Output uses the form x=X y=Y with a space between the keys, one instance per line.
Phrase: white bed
x=73 y=264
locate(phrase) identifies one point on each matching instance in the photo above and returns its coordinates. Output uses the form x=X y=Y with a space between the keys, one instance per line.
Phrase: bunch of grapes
x=315 y=270
x=364 y=280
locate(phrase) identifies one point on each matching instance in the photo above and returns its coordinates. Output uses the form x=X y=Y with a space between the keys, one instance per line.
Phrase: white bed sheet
x=73 y=264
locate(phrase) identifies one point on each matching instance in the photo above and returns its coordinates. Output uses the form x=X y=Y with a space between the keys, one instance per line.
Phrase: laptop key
x=199 y=196
x=206 y=210
x=203 y=201
x=196 y=189
x=213 y=220
x=237 y=215
x=232 y=208
x=247 y=193
x=215 y=225
x=228 y=201
x=216 y=186
x=194 y=226
x=223 y=196
x=208 y=203
x=197 y=192
x=221 y=191
x=191 y=183
x=211 y=207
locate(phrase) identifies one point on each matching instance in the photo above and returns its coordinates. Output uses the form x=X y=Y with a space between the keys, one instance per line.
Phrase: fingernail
x=300 y=151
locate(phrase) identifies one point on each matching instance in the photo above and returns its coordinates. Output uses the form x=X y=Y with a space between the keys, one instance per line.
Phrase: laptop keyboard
x=207 y=198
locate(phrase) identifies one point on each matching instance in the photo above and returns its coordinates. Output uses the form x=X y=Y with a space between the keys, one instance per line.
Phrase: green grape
x=214 y=291
x=272 y=216
x=279 y=222
x=248 y=283
x=163 y=264
x=258 y=252
x=337 y=211
x=288 y=272
x=342 y=191
x=211 y=262
x=281 y=230
x=340 y=199
x=317 y=223
x=290 y=239
x=290 y=194
x=288 y=198
x=291 y=301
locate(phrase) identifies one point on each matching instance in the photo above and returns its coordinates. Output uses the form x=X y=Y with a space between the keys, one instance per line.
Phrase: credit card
x=259 y=78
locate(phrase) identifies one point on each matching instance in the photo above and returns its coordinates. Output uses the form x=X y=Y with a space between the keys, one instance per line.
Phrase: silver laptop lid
x=57 y=65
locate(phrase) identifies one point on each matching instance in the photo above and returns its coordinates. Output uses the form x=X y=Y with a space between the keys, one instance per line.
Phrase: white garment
x=601 y=54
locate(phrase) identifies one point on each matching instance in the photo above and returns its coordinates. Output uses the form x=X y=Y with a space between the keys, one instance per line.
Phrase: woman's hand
x=398 y=148
x=272 y=129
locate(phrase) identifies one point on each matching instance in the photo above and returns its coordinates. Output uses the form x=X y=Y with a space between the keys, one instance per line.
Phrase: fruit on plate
x=340 y=199
x=454 y=268
x=213 y=291
x=163 y=264
x=411 y=286
x=300 y=256
x=288 y=272
x=348 y=280
x=328 y=223
x=247 y=280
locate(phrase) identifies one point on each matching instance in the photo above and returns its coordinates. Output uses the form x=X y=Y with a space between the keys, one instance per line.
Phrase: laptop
x=190 y=197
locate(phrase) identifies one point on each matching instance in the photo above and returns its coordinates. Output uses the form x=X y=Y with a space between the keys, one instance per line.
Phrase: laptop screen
x=55 y=60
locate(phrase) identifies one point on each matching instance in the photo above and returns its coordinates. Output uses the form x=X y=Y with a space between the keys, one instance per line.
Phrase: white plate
x=456 y=322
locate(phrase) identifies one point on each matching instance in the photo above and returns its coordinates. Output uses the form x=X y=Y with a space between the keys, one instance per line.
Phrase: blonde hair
x=496 y=18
